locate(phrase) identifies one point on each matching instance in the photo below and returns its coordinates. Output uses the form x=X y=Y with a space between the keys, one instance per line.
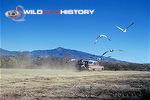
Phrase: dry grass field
x=46 y=84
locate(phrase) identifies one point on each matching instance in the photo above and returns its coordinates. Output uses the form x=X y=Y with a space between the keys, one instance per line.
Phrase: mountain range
x=58 y=52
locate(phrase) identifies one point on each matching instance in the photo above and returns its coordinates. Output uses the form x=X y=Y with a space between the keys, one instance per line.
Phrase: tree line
x=57 y=62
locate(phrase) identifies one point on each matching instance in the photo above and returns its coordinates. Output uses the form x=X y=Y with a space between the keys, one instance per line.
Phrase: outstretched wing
x=120 y=28
x=120 y=50
x=130 y=25
x=114 y=50
x=104 y=36
x=105 y=53
x=101 y=36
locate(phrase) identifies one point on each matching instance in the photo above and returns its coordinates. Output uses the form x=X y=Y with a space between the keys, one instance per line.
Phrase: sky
x=78 y=32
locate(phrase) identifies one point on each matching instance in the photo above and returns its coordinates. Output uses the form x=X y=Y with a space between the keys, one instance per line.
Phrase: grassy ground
x=46 y=84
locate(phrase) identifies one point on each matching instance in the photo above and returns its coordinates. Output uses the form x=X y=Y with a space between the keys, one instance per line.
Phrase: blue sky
x=79 y=31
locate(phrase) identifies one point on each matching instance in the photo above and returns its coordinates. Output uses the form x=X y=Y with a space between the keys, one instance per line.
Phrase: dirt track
x=46 y=84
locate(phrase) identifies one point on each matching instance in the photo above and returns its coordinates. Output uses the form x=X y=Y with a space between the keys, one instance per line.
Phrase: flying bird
x=101 y=36
x=125 y=29
x=111 y=50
